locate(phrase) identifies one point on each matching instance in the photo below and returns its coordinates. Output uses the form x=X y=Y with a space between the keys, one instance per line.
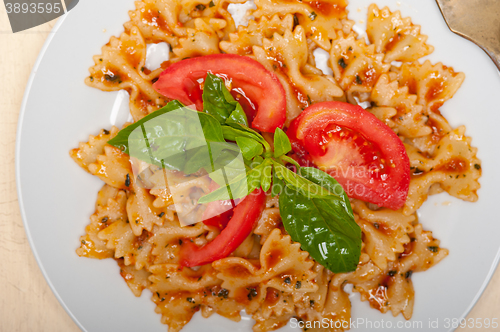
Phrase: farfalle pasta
x=269 y=276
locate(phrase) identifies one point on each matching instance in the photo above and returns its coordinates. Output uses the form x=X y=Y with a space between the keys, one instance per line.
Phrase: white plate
x=57 y=197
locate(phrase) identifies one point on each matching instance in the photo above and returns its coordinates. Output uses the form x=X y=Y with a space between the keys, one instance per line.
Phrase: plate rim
x=17 y=166
x=487 y=278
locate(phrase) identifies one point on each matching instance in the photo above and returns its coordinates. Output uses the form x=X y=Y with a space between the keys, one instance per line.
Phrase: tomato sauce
x=273 y=258
x=129 y=50
x=437 y=131
x=436 y=87
x=393 y=41
x=329 y=9
x=455 y=165
x=151 y=16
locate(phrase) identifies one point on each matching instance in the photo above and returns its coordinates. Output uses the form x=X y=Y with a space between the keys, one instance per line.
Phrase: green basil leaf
x=233 y=190
x=218 y=101
x=281 y=143
x=213 y=156
x=323 y=227
x=121 y=139
x=294 y=180
x=267 y=177
x=255 y=175
x=238 y=116
x=254 y=162
x=178 y=138
x=249 y=147
x=231 y=133
x=327 y=181
x=239 y=187
x=278 y=185
x=233 y=130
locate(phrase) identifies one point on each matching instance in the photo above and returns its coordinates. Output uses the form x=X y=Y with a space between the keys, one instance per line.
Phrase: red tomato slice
x=259 y=91
x=362 y=153
x=220 y=221
x=237 y=230
x=221 y=211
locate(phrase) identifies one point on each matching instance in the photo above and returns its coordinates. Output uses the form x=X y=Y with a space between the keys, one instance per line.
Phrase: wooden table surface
x=26 y=301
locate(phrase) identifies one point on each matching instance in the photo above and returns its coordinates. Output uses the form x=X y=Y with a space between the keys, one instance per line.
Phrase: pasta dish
x=370 y=126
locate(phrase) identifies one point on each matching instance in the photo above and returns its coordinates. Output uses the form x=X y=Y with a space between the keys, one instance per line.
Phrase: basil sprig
x=314 y=208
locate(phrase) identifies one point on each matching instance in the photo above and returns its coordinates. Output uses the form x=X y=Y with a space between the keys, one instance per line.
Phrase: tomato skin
x=220 y=221
x=388 y=188
x=246 y=214
x=181 y=81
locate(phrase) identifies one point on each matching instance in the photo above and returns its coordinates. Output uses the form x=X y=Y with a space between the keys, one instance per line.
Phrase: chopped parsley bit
x=137 y=221
x=200 y=7
x=167 y=277
x=417 y=171
x=190 y=300
x=295 y=20
x=142 y=69
x=161 y=214
x=211 y=4
x=167 y=245
x=199 y=278
x=408 y=274
x=376 y=225
x=180 y=242
x=91 y=79
x=298 y=284
x=358 y=80
x=105 y=219
x=433 y=248
x=83 y=242
x=127 y=181
x=309 y=99
x=111 y=78
x=252 y=292
x=311 y=303
x=100 y=59
x=342 y=63
x=223 y=293
x=287 y=280
x=477 y=166
x=350 y=48
x=392 y=273
x=140 y=247
x=105 y=132
x=162 y=299
x=313 y=16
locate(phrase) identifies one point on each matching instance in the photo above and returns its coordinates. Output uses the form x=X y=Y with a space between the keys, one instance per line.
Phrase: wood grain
x=26 y=301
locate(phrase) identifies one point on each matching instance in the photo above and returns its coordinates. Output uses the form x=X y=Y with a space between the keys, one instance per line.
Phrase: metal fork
x=477 y=21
